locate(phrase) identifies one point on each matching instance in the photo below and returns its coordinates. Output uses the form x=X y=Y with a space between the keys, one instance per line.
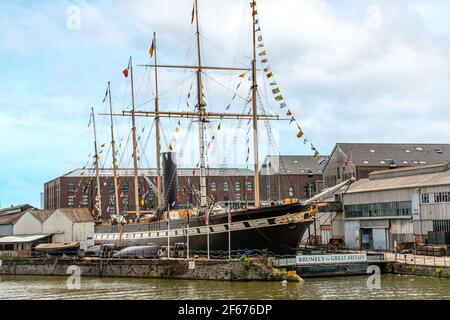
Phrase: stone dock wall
x=258 y=269
x=418 y=270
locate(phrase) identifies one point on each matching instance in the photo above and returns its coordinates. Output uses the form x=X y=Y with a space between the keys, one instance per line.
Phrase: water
x=392 y=287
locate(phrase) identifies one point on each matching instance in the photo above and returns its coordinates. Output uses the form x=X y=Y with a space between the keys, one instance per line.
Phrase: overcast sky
x=351 y=71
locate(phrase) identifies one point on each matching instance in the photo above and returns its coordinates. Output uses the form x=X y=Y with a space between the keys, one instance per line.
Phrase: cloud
x=350 y=71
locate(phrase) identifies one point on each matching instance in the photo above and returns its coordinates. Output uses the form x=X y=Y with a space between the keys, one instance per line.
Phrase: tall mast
x=255 y=111
x=97 y=172
x=113 y=147
x=157 y=125
x=201 y=117
x=133 y=131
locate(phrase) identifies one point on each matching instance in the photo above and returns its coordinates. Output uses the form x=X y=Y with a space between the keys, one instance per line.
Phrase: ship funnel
x=170 y=180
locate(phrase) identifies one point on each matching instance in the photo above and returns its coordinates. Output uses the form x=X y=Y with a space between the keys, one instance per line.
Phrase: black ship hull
x=276 y=230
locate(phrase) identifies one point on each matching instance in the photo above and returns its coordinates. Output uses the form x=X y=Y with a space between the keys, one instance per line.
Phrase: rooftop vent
x=439 y=151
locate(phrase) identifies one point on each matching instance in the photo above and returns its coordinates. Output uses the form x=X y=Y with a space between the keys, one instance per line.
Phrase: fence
x=414 y=259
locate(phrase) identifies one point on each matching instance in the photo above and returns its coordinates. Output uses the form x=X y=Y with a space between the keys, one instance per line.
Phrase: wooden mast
x=255 y=111
x=133 y=131
x=113 y=150
x=201 y=118
x=157 y=127
x=97 y=172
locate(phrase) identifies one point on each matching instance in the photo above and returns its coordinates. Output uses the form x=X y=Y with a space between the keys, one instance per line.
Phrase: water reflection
x=392 y=287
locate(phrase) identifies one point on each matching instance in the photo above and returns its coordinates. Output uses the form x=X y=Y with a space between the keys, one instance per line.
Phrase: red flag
x=125 y=73
x=178 y=197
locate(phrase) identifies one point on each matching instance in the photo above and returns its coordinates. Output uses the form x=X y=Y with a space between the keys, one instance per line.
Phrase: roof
x=404 y=154
x=10 y=218
x=401 y=182
x=289 y=164
x=23 y=239
x=15 y=209
x=78 y=214
x=41 y=215
x=182 y=172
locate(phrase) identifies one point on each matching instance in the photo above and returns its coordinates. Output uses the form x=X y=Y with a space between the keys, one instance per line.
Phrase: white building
x=397 y=206
x=71 y=225
x=31 y=222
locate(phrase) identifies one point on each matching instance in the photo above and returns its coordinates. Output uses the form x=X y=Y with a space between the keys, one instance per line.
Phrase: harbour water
x=394 y=287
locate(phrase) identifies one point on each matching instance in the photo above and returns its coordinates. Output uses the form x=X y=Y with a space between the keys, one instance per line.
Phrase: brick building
x=78 y=189
x=287 y=177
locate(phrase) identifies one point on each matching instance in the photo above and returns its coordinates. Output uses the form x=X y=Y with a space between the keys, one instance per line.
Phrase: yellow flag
x=152 y=48
x=279 y=98
x=242 y=75
x=300 y=133
x=193 y=14
x=276 y=90
x=269 y=75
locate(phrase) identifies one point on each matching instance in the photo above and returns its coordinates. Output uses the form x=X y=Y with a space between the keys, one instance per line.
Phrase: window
x=440 y=197
x=372 y=151
x=419 y=148
x=213 y=187
x=425 y=198
x=405 y=162
x=391 y=163
x=70 y=188
x=238 y=190
x=225 y=186
x=366 y=162
x=439 y=151
x=291 y=192
x=385 y=209
x=338 y=172
x=407 y=151
x=85 y=197
x=249 y=185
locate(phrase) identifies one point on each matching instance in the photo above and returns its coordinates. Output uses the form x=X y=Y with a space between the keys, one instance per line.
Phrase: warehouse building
x=397 y=206
x=360 y=159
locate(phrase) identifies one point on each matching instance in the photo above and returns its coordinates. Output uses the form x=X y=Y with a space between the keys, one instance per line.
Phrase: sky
x=350 y=71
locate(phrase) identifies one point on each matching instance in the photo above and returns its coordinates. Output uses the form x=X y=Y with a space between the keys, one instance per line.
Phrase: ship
x=274 y=228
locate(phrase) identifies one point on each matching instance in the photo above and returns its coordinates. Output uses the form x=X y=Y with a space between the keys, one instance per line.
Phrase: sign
x=191 y=265
x=331 y=259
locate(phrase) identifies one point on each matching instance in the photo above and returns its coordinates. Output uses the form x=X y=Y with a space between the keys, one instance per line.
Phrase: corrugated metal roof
x=412 y=181
x=23 y=239
x=288 y=164
x=404 y=154
x=42 y=215
x=15 y=209
x=78 y=214
x=182 y=172
x=10 y=218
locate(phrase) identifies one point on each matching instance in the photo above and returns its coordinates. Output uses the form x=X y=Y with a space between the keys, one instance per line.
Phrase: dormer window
x=405 y=162
x=372 y=151
x=439 y=151
x=419 y=148
x=391 y=163
x=366 y=162
x=407 y=151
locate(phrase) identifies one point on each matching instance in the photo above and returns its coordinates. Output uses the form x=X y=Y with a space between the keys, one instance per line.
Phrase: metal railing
x=417 y=260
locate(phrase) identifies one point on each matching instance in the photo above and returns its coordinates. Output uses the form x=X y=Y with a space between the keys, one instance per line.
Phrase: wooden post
x=255 y=112
x=113 y=150
x=135 y=157
x=157 y=127
x=97 y=171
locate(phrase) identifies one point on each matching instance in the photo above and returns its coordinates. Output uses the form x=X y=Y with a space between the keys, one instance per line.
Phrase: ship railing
x=417 y=260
